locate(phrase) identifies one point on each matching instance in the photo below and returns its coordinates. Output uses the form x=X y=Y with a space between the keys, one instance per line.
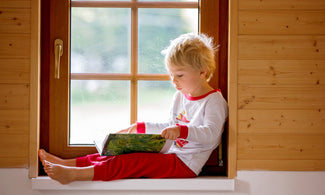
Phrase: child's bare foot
x=43 y=155
x=58 y=172
x=66 y=174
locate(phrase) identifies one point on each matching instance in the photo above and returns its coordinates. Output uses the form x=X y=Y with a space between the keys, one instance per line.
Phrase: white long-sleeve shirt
x=201 y=120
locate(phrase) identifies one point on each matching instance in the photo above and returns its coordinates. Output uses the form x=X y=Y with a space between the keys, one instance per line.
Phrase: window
x=120 y=70
x=117 y=71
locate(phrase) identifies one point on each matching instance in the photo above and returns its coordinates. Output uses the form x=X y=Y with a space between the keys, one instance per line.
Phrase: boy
x=196 y=123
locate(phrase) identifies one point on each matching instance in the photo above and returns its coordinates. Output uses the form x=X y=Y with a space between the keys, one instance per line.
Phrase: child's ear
x=203 y=73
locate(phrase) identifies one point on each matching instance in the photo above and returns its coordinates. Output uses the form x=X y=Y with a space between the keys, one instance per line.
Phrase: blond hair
x=194 y=50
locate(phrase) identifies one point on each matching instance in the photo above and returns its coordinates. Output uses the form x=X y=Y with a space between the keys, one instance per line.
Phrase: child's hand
x=131 y=129
x=171 y=133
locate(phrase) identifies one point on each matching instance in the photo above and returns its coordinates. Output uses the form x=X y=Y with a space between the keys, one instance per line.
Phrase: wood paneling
x=282 y=121
x=281 y=147
x=14 y=20
x=15 y=51
x=281 y=72
x=281 y=47
x=14 y=161
x=14 y=122
x=35 y=81
x=282 y=165
x=280 y=86
x=232 y=87
x=14 y=46
x=14 y=70
x=14 y=150
x=281 y=97
x=282 y=4
x=14 y=96
x=15 y=3
x=281 y=22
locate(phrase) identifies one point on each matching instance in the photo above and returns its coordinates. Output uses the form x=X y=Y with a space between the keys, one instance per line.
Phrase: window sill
x=197 y=184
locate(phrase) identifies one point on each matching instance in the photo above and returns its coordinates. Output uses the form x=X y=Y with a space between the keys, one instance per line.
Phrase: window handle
x=58 y=50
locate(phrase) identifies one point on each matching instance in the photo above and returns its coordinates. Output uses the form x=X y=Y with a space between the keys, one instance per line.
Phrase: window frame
x=52 y=137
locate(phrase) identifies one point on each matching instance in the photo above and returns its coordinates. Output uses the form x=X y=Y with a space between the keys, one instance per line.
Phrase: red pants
x=136 y=165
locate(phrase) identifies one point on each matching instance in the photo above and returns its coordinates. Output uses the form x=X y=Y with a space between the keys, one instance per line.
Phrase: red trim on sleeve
x=183 y=131
x=141 y=127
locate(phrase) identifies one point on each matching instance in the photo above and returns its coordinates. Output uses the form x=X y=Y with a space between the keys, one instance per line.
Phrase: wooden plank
x=14 y=149
x=14 y=70
x=284 y=97
x=282 y=165
x=14 y=162
x=14 y=46
x=14 y=145
x=35 y=62
x=281 y=4
x=281 y=147
x=15 y=3
x=282 y=22
x=14 y=122
x=15 y=20
x=232 y=89
x=14 y=96
x=281 y=47
x=282 y=121
x=281 y=72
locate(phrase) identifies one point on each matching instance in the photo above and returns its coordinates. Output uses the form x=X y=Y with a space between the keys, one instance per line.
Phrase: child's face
x=186 y=79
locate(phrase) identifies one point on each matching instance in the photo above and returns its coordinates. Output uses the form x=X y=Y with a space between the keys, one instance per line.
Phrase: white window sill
x=194 y=184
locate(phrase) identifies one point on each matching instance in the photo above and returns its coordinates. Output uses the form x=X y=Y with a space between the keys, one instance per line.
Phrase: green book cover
x=117 y=144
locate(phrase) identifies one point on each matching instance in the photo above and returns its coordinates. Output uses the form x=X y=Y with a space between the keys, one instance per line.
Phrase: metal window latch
x=58 y=50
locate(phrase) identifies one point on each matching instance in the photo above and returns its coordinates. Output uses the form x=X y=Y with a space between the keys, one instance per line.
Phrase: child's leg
x=96 y=167
x=91 y=159
x=67 y=174
x=43 y=155
x=137 y=165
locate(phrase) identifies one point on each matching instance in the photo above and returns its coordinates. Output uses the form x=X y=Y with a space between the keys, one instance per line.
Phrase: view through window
x=117 y=70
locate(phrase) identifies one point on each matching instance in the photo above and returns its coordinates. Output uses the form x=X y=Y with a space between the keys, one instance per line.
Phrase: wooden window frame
x=57 y=143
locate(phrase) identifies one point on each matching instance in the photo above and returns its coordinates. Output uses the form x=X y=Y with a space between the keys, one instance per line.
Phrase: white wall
x=16 y=181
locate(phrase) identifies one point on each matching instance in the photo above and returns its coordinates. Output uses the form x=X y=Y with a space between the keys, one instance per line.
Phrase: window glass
x=98 y=108
x=101 y=43
x=100 y=40
x=156 y=28
x=100 y=0
x=154 y=102
x=172 y=0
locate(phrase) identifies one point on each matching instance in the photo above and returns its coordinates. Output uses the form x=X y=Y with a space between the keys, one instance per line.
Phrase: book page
x=117 y=144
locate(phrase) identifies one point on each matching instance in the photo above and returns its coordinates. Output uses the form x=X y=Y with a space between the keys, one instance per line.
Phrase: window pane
x=156 y=28
x=154 y=101
x=171 y=0
x=97 y=108
x=100 y=0
x=100 y=40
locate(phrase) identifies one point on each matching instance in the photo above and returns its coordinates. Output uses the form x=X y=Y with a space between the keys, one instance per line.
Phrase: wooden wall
x=15 y=54
x=280 y=84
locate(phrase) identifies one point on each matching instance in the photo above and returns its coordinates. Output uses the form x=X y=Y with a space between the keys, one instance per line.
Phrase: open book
x=116 y=144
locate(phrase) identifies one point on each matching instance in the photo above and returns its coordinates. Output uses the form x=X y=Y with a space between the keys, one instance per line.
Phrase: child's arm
x=131 y=129
x=151 y=128
x=142 y=127
x=216 y=113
